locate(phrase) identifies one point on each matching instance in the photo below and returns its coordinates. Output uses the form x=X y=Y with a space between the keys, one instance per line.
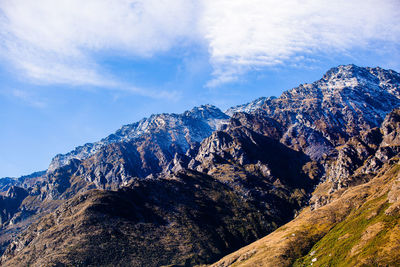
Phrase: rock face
x=176 y=131
x=250 y=107
x=361 y=158
x=10 y=202
x=192 y=187
x=26 y=181
x=312 y=118
x=354 y=214
x=348 y=99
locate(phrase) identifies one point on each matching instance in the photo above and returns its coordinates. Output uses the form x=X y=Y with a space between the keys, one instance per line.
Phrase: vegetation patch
x=356 y=239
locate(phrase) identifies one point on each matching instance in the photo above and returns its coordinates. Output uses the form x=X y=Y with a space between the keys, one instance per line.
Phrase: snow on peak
x=191 y=126
x=347 y=86
x=251 y=106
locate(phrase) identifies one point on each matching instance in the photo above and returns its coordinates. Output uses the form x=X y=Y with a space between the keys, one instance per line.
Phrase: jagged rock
x=361 y=158
x=179 y=130
x=346 y=101
x=10 y=203
x=269 y=155
x=249 y=107
x=391 y=130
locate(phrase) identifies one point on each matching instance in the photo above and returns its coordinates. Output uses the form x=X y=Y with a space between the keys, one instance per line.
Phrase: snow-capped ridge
x=348 y=98
x=200 y=122
x=251 y=106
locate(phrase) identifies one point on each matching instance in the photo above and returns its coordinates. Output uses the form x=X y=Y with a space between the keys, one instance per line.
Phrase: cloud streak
x=60 y=41
x=256 y=33
x=28 y=98
x=57 y=41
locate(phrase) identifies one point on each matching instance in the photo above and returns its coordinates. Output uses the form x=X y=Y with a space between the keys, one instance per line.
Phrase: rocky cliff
x=192 y=187
x=356 y=224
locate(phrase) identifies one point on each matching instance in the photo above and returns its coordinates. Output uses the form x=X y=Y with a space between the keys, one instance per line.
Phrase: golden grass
x=355 y=229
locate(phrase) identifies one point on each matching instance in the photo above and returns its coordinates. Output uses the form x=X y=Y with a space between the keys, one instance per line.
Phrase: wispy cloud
x=171 y=95
x=28 y=98
x=56 y=41
x=59 y=41
x=247 y=34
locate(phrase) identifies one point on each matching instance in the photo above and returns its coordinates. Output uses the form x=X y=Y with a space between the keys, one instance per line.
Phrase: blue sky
x=75 y=71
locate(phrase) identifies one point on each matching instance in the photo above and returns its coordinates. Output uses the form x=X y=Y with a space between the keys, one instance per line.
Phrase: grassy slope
x=359 y=228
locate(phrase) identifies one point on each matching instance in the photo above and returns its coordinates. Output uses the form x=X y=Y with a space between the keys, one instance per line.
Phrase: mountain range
x=308 y=174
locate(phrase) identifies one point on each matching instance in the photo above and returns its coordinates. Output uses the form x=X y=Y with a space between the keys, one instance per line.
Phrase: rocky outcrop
x=10 y=203
x=185 y=219
x=249 y=107
x=360 y=159
x=266 y=158
x=319 y=116
x=25 y=181
x=175 y=130
x=358 y=228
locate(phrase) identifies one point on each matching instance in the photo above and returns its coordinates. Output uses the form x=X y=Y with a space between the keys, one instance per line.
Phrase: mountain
x=312 y=118
x=189 y=188
x=24 y=181
x=185 y=217
x=143 y=148
x=249 y=107
x=179 y=131
x=358 y=226
x=316 y=117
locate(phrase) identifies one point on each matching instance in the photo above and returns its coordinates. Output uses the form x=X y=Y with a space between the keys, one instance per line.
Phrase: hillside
x=190 y=188
x=358 y=226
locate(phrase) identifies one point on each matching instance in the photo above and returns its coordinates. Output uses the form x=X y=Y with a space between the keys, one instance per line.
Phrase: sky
x=74 y=71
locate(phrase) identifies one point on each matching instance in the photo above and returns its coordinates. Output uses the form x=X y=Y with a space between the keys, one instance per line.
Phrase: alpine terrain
x=308 y=178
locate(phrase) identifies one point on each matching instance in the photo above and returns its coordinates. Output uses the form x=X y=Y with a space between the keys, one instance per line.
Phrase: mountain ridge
x=379 y=76
x=267 y=155
x=206 y=114
x=355 y=227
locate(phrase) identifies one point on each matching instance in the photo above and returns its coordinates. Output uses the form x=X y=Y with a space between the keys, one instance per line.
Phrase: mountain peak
x=346 y=72
x=199 y=121
x=173 y=172
x=205 y=112
x=251 y=106
x=360 y=73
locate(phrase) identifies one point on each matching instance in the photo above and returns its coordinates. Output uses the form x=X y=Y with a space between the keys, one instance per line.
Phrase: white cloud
x=60 y=41
x=246 y=34
x=172 y=95
x=57 y=41
x=28 y=98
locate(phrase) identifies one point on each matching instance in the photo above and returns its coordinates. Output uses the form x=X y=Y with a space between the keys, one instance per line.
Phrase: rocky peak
x=391 y=129
x=205 y=112
x=365 y=75
x=16 y=192
x=251 y=106
x=346 y=101
x=362 y=157
x=353 y=82
x=184 y=129
x=350 y=71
